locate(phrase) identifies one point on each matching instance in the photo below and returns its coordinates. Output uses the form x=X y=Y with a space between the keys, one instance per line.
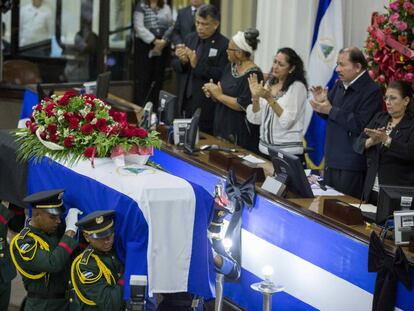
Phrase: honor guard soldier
x=43 y=258
x=7 y=270
x=97 y=274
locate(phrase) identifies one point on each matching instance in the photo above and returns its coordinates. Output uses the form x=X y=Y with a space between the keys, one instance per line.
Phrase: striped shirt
x=286 y=131
x=151 y=23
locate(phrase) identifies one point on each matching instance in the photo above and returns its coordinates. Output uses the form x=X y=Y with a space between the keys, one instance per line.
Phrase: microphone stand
x=218 y=306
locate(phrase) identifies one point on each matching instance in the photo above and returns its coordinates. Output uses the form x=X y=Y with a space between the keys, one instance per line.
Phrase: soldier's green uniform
x=97 y=277
x=7 y=270
x=43 y=260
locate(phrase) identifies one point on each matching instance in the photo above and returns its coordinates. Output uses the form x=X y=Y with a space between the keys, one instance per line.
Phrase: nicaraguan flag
x=326 y=42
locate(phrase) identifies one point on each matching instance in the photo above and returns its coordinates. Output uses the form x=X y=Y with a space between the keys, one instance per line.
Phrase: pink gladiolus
x=395 y=5
x=394 y=17
x=401 y=26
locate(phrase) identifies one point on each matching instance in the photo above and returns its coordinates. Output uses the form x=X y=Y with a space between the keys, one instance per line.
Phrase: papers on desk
x=317 y=191
x=366 y=207
x=315 y=180
x=252 y=159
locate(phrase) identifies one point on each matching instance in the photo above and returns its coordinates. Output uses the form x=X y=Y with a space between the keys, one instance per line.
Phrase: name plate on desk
x=342 y=212
x=221 y=159
x=245 y=169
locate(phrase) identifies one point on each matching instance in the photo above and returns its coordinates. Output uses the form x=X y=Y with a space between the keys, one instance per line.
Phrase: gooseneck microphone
x=149 y=91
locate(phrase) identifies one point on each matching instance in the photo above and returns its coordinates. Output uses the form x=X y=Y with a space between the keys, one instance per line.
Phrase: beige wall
x=237 y=15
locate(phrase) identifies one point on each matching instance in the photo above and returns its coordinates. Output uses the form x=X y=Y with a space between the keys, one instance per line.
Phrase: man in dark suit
x=185 y=22
x=348 y=107
x=200 y=59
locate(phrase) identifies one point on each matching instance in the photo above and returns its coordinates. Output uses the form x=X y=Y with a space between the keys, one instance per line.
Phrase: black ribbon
x=390 y=270
x=240 y=194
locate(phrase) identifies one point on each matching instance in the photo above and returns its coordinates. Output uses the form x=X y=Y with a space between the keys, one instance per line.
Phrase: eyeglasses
x=233 y=50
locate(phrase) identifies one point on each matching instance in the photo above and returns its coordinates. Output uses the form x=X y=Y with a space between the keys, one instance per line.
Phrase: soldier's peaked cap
x=98 y=224
x=49 y=201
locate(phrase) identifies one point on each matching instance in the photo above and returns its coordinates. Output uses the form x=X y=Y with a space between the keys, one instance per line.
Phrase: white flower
x=94 y=121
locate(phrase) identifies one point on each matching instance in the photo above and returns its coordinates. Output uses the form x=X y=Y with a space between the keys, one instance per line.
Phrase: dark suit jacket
x=394 y=165
x=184 y=25
x=212 y=58
x=351 y=111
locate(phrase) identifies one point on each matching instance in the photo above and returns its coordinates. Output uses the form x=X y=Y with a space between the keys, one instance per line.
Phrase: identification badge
x=212 y=52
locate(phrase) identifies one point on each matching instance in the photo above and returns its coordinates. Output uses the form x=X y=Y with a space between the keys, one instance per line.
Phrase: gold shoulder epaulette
x=24 y=232
x=86 y=255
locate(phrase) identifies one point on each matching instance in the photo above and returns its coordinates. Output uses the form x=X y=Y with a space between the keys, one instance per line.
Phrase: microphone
x=149 y=91
x=146 y=118
x=161 y=108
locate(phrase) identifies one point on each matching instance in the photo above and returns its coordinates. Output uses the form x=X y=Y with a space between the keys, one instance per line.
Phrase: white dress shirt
x=36 y=24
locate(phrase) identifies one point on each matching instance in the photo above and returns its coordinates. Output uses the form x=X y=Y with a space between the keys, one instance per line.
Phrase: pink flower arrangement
x=72 y=126
x=392 y=61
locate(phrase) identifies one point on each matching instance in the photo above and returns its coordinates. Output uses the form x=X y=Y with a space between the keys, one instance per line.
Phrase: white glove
x=72 y=218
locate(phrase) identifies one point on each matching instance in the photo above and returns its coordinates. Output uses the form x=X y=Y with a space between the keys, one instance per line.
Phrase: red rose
x=73 y=123
x=68 y=142
x=33 y=127
x=410 y=68
x=38 y=107
x=43 y=135
x=63 y=101
x=53 y=138
x=101 y=125
x=89 y=152
x=68 y=115
x=120 y=116
x=89 y=96
x=87 y=129
x=49 y=110
x=28 y=123
x=32 y=118
x=403 y=39
x=70 y=93
x=141 y=133
x=52 y=127
x=125 y=132
x=90 y=116
x=90 y=102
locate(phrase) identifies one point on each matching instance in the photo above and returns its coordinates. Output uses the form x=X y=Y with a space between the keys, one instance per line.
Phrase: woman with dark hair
x=232 y=94
x=388 y=142
x=153 y=28
x=279 y=105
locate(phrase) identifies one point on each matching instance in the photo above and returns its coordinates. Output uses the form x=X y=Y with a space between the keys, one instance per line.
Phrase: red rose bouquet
x=71 y=127
x=390 y=44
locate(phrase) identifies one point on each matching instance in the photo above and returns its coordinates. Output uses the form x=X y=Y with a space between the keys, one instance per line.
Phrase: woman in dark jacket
x=388 y=142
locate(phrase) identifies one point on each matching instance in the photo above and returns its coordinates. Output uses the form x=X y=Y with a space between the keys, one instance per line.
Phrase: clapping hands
x=212 y=90
x=320 y=102
x=376 y=136
x=258 y=89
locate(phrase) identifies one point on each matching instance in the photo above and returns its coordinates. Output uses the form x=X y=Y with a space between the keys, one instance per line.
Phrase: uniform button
x=113 y=257
x=1 y=255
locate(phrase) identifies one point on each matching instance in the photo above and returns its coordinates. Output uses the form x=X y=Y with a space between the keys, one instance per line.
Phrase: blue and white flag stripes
x=326 y=42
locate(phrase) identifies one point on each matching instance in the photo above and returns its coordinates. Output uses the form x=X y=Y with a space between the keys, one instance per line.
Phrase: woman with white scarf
x=232 y=94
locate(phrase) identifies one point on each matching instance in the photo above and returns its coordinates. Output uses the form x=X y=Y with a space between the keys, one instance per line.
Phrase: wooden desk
x=312 y=208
